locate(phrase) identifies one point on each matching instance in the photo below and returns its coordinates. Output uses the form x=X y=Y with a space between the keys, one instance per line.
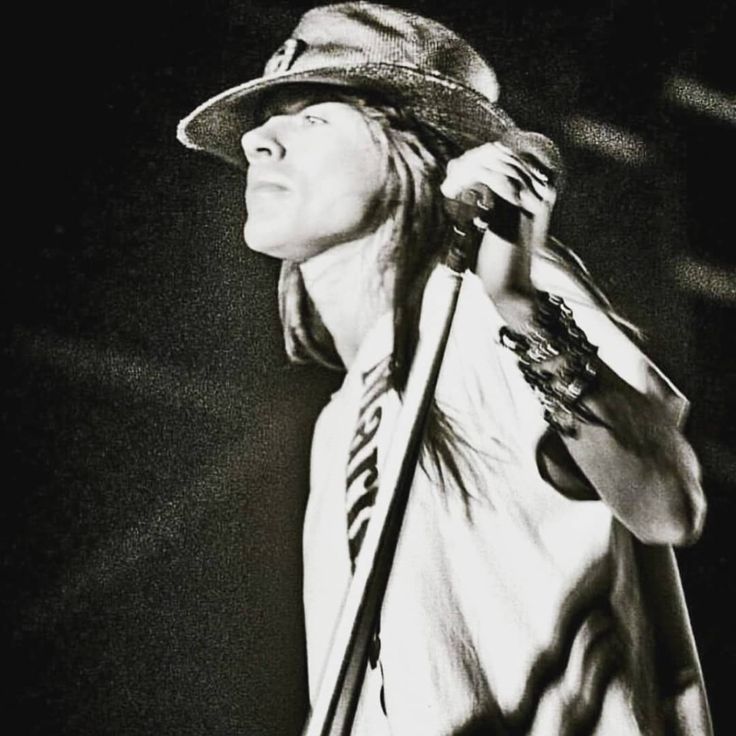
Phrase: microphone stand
x=339 y=691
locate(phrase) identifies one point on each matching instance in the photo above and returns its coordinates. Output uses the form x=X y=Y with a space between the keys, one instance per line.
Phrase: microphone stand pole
x=337 y=699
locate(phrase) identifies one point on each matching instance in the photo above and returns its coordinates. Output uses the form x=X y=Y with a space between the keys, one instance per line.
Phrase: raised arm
x=622 y=444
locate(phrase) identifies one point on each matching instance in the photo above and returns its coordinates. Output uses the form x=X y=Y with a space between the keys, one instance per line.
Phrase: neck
x=350 y=289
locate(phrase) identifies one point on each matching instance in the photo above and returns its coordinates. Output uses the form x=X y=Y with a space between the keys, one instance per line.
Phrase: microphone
x=467 y=211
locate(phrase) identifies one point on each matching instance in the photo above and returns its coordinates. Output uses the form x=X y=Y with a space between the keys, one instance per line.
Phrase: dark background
x=157 y=438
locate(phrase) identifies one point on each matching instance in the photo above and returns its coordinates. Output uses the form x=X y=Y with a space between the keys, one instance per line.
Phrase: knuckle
x=487 y=152
x=446 y=189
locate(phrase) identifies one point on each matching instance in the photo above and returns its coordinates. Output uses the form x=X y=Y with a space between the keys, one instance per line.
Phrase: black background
x=158 y=440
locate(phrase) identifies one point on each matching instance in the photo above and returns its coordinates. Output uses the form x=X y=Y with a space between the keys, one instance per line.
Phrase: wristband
x=557 y=361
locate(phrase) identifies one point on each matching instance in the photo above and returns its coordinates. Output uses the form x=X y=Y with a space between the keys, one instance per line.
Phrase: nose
x=262 y=142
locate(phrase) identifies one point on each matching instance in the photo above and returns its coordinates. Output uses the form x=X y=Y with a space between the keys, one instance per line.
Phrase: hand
x=494 y=170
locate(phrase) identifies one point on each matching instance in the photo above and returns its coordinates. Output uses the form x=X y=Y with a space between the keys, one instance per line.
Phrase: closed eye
x=313 y=119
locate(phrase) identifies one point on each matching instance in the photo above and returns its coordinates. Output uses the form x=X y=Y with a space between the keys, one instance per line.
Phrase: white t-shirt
x=510 y=608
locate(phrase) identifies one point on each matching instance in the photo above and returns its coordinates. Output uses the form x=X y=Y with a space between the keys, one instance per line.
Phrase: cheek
x=351 y=188
x=362 y=170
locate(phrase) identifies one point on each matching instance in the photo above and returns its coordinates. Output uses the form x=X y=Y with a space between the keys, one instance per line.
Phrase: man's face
x=315 y=175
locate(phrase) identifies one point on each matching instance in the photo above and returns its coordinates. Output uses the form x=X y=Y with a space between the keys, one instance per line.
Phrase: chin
x=264 y=240
x=281 y=243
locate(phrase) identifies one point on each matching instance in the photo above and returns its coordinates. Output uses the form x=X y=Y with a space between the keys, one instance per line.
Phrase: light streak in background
x=692 y=95
x=718 y=284
x=607 y=140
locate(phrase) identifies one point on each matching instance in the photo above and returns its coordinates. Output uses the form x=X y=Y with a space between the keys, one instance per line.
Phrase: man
x=519 y=600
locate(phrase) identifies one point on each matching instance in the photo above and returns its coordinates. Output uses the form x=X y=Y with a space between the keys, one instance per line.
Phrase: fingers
x=493 y=169
x=531 y=175
x=495 y=163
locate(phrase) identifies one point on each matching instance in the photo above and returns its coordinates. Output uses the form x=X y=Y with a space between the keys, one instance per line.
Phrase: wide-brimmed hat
x=416 y=63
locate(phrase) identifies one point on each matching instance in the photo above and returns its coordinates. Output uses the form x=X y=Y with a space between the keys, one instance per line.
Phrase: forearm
x=638 y=462
x=630 y=453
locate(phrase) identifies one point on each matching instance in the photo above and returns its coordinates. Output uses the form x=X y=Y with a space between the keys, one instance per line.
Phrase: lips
x=266 y=186
x=263 y=195
x=265 y=182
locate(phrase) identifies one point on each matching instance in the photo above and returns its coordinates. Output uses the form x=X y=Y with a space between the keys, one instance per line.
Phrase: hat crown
x=358 y=33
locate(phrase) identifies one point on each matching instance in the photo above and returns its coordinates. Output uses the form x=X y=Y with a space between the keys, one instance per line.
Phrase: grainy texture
x=158 y=442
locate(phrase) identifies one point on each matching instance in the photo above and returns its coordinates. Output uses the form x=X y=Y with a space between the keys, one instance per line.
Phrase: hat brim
x=458 y=112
